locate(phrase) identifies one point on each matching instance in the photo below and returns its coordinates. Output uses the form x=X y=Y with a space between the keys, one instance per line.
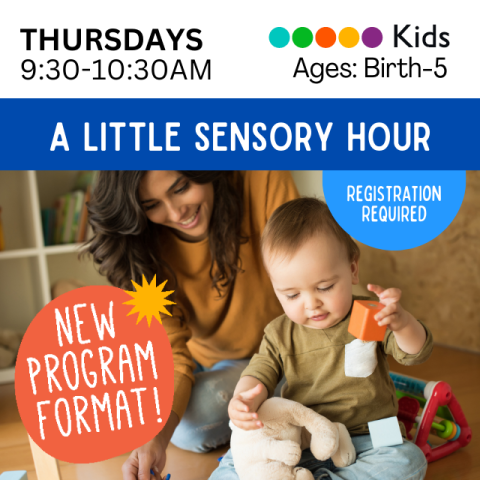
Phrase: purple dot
x=372 y=37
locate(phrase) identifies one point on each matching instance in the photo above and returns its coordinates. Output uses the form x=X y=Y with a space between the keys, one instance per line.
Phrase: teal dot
x=279 y=37
x=302 y=37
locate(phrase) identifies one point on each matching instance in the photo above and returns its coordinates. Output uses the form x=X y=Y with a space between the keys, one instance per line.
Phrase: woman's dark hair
x=127 y=245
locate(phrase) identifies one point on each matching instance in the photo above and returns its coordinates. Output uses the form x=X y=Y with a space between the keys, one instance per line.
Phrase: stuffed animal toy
x=9 y=345
x=271 y=452
x=66 y=285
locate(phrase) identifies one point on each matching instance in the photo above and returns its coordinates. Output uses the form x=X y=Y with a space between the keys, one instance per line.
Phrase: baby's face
x=315 y=285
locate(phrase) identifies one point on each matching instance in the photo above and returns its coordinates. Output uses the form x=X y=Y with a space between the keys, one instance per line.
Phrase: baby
x=313 y=263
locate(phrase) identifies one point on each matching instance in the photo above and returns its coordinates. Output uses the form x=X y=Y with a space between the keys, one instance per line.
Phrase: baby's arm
x=409 y=333
x=258 y=380
x=249 y=394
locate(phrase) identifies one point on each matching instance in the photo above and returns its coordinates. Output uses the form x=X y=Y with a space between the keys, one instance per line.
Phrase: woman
x=201 y=231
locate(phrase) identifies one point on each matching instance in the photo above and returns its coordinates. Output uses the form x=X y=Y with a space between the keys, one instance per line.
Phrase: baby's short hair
x=295 y=222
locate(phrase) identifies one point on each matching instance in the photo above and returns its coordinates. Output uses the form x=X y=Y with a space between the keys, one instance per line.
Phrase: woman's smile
x=171 y=199
x=192 y=221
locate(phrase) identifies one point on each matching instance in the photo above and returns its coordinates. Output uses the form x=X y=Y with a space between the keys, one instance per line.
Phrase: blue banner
x=247 y=134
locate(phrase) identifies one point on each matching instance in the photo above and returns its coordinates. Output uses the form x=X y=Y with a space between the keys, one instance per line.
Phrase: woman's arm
x=167 y=433
x=152 y=455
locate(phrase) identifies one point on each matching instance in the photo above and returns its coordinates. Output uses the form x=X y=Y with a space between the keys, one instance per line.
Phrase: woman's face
x=171 y=199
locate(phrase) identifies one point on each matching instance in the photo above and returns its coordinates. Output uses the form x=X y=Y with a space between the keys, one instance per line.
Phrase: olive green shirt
x=313 y=362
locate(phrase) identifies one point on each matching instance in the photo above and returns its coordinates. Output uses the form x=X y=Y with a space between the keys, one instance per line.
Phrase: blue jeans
x=204 y=425
x=401 y=462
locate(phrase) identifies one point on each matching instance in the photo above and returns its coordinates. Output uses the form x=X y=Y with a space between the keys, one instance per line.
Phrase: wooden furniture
x=28 y=268
x=45 y=465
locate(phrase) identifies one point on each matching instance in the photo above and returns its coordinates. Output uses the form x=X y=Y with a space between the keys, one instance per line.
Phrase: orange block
x=362 y=324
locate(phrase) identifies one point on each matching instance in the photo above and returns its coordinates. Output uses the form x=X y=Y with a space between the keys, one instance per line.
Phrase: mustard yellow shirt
x=230 y=327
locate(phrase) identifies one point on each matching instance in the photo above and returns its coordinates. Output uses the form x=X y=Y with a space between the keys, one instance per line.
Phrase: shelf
x=50 y=250
x=20 y=253
x=7 y=375
x=28 y=268
x=68 y=248
x=20 y=294
x=64 y=266
x=53 y=184
x=16 y=199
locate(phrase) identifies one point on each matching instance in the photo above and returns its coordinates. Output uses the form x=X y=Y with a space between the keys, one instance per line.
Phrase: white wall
x=309 y=182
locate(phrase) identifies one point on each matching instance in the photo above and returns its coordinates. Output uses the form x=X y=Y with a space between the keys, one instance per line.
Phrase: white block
x=17 y=475
x=385 y=432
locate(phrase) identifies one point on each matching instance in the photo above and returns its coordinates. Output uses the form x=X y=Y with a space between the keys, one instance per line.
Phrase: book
x=60 y=212
x=48 y=224
x=67 y=217
x=84 y=179
x=82 y=226
x=75 y=200
x=78 y=201
x=71 y=218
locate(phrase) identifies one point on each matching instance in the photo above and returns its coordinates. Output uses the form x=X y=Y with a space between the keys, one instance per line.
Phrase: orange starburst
x=149 y=300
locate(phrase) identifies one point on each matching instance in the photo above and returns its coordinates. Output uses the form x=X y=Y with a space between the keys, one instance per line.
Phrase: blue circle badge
x=394 y=210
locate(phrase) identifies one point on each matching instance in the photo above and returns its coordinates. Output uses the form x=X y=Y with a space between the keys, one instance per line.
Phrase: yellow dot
x=348 y=37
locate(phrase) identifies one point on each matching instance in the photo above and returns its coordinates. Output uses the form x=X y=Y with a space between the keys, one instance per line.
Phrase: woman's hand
x=243 y=407
x=151 y=456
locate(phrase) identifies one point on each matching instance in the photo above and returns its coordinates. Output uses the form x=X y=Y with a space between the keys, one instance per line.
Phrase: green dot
x=279 y=37
x=302 y=37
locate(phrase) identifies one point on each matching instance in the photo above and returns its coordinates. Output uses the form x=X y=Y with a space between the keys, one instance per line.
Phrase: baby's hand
x=243 y=407
x=393 y=314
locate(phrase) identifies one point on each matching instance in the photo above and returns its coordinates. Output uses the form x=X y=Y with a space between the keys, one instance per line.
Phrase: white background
x=235 y=38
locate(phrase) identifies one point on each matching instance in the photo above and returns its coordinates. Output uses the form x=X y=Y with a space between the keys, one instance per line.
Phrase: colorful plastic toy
x=166 y=478
x=362 y=324
x=441 y=415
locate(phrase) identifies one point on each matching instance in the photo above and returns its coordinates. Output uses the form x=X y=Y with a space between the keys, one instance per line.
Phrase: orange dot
x=349 y=37
x=326 y=37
